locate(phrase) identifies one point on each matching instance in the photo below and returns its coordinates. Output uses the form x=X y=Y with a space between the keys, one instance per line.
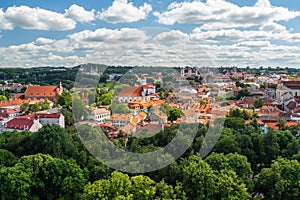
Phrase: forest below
x=244 y=164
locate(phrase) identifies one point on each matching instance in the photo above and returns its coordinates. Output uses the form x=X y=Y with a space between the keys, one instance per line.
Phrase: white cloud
x=110 y=36
x=228 y=35
x=35 y=18
x=130 y=46
x=79 y=14
x=254 y=43
x=171 y=37
x=216 y=14
x=4 y=24
x=123 y=11
x=273 y=28
x=42 y=41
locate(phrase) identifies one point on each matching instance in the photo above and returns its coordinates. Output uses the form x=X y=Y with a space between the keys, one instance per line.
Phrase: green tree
x=25 y=108
x=198 y=178
x=53 y=177
x=105 y=99
x=54 y=140
x=33 y=108
x=44 y=105
x=235 y=162
x=117 y=107
x=79 y=109
x=174 y=114
x=280 y=181
x=7 y=158
x=281 y=124
x=258 y=103
x=271 y=147
x=15 y=183
x=228 y=186
x=2 y=97
x=69 y=118
x=65 y=99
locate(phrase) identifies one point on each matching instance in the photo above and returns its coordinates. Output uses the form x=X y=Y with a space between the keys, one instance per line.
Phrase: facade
x=120 y=120
x=43 y=92
x=130 y=93
x=99 y=114
x=284 y=87
x=270 y=113
x=22 y=124
x=188 y=71
x=44 y=118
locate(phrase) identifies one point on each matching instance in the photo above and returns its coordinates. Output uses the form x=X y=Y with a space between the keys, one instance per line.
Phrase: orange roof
x=273 y=125
x=135 y=120
x=291 y=123
x=142 y=115
x=120 y=117
x=19 y=102
x=157 y=102
x=41 y=91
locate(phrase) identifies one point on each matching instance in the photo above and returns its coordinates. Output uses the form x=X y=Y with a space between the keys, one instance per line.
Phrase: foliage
x=174 y=114
x=281 y=180
x=258 y=103
x=117 y=107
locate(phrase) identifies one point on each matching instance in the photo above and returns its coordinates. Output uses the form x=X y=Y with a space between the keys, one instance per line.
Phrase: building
x=292 y=87
x=130 y=93
x=9 y=113
x=22 y=124
x=99 y=114
x=269 y=113
x=44 y=118
x=120 y=120
x=34 y=92
x=189 y=71
x=18 y=99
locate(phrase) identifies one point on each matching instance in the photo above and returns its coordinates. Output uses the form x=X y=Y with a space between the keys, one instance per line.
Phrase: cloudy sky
x=147 y=32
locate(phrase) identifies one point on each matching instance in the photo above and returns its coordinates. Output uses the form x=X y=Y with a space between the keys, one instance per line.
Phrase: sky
x=199 y=33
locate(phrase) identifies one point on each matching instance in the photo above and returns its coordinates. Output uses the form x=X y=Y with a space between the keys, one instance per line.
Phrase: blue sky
x=169 y=33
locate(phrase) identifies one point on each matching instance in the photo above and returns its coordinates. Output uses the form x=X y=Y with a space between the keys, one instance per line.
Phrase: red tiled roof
x=41 y=91
x=19 y=123
x=41 y=115
x=292 y=84
x=131 y=91
x=149 y=85
x=107 y=126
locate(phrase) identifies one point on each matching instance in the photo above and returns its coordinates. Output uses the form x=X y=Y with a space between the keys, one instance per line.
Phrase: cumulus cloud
x=110 y=35
x=34 y=18
x=254 y=43
x=216 y=14
x=41 y=19
x=228 y=35
x=171 y=37
x=4 y=24
x=79 y=14
x=42 y=41
x=123 y=11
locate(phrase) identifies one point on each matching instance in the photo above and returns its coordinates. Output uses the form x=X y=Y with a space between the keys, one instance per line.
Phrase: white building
x=99 y=114
x=284 y=87
x=55 y=118
x=120 y=120
x=22 y=124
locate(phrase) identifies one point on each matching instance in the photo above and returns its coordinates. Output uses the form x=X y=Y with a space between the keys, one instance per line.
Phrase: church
x=36 y=92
